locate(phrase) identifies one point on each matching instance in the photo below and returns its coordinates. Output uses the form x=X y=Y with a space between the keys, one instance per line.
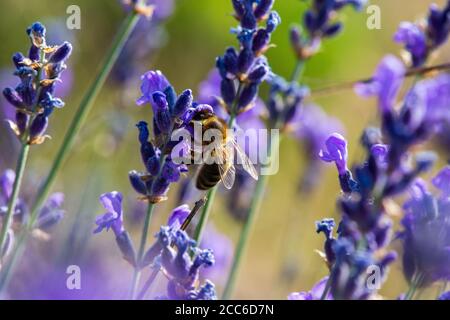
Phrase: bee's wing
x=244 y=160
x=226 y=167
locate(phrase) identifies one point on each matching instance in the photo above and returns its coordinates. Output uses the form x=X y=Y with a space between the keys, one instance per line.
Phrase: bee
x=222 y=169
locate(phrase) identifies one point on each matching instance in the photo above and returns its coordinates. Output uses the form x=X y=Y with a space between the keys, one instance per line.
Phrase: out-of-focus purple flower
x=113 y=217
x=385 y=83
x=380 y=152
x=426 y=234
x=222 y=246
x=284 y=104
x=314 y=126
x=414 y=40
x=422 y=38
x=442 y=181
x=6 y=185
x=315 y=293
x=51 y=213
x=152 y=81
x=444 y=296
x=336 y=151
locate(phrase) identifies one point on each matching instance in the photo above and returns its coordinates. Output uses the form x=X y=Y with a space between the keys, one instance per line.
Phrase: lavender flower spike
x=113 y=218
x=336 y=146
x=385 y=83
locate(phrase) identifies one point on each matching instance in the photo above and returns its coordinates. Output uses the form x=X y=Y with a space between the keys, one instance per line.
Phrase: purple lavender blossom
x=336 y=151
x=113 y=217
x=181 y=260
x=420 y=40
x=152 y=81
x=444 y=296
x=426 y=232
x=385 y=84
x=315 y=293
x=36 y=95
x=441 y=181
x=313 y=128
x=414 y=40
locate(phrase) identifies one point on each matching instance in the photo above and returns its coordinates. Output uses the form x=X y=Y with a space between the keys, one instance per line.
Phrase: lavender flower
x=182 y=264
x=314 y=294
x=422 y=113
x=319 y=24
x=385 y=84
x=147 y=36
x=421 y=40
x=113 y=219
x=170 y=113
x=243 y=70
x=314 y=127
x=33 y=97
x=426 y=232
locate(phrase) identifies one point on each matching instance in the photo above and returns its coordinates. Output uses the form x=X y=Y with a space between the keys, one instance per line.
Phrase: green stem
x=144 y=236
x=212 y=193
x=20 y=169
x=80 y=116
x=298 y=70
x=246 y=231
x=415 y=283
x=205 y=214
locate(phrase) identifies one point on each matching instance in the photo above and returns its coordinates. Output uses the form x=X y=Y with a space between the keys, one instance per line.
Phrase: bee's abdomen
x=208 y=177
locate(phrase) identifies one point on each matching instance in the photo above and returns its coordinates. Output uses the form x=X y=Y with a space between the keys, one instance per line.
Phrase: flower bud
x=13 y=97
x=263 y=8
x=228 y=91
x=183 y=103
x=258 y=74
x=38 y=126
x=260 y=41
x=248 y=95
x=62 y=53
x=245 y=60
x=230 y=59
x=137 y=183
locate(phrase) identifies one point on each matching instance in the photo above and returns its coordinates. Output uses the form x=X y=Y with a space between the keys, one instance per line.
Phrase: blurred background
x=183 y=43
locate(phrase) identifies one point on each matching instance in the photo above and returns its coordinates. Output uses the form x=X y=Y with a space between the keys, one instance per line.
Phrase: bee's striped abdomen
x=208 y=176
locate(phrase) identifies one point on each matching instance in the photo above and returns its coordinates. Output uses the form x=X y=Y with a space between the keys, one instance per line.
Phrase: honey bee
x=222 y=169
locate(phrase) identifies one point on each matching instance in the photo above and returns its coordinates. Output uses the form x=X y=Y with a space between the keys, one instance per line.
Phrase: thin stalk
x=415 y=283
x=327 y=288
x=245 y=234
x=253 y=209
x=298 y=70
x=20 y=169
x=144 y=235
x=212 y=193
x=80 y=116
